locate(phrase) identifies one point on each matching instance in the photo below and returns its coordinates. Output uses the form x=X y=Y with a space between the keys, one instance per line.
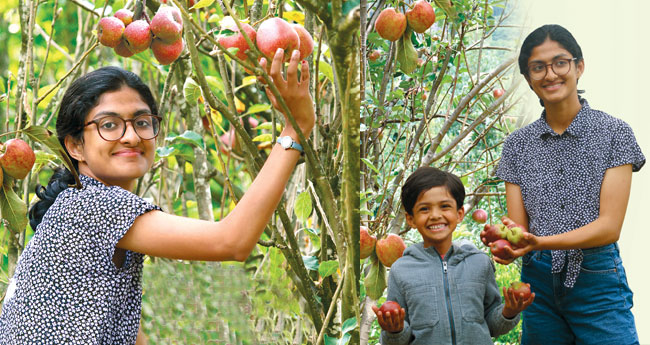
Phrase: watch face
x=285 y=142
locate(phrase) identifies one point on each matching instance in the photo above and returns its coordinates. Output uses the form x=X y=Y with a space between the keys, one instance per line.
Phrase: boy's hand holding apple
x=517 y=298
x=390 y=316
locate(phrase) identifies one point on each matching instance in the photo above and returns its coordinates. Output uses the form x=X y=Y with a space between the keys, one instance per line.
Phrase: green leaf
x=314 y=237
x=191 y=91
x=327 y=268
x=326 y=69
x=188 y=137
x=46 y=138
x=269 y=125
x=344 y=339
x=165 y=151
x=215 y=83
x=202 y=4
x=406 y=54
x=327 y=340
x=303 y=206
x=263 y=137
x=311 y=262
x=370 y=165
x=349 y=325
x=375 y=281
x=13 y=208
x=257 y=108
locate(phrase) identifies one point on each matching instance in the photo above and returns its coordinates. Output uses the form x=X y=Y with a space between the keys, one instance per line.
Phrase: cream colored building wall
x=615 y=42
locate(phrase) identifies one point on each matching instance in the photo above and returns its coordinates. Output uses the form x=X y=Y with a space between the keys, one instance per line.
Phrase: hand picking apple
x=517 y=298
x=390 y=316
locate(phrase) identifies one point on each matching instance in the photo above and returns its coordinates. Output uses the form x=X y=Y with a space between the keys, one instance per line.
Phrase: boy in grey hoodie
x=447 y=289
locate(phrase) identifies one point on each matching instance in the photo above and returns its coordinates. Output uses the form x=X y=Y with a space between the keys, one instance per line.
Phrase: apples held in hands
x=493 y=232
x=391 y=307
x=275 y=33
x=479 y=216
x=498 y=249
x=521 y=289
x=390 y=24
x=390 y=249
x=514 y=233
x=367 y=243
x=16 y=158
x=421 y=16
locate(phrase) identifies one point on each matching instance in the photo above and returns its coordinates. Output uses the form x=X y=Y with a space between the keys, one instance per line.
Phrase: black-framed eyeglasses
x=112 y=128
x=537 y=71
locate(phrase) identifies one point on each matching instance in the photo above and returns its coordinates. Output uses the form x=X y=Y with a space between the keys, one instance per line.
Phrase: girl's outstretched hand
x=294 y=89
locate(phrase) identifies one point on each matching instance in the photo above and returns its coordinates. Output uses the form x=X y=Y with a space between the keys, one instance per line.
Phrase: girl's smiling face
x=120 y=162
x=554 y=89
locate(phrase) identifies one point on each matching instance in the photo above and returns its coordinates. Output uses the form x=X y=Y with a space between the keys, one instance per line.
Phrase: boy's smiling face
x=435 y=215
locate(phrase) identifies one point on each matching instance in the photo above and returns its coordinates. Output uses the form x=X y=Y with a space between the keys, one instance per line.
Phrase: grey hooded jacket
x=454 y=300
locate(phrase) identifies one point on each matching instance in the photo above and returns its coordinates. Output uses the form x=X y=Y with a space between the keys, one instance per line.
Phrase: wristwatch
x=288 y=143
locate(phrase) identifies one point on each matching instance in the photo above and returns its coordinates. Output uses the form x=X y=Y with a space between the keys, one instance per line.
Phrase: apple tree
x=443 y=95
x=301 y=283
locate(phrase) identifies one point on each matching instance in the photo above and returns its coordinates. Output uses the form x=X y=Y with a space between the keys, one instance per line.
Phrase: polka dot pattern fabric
x=560 y=175
x=66 y=288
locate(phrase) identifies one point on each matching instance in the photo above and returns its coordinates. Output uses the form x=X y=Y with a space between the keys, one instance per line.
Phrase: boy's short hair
x=425 y=178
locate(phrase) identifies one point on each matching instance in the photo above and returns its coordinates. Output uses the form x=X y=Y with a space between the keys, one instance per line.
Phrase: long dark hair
x=80 y=98
x=555 y=33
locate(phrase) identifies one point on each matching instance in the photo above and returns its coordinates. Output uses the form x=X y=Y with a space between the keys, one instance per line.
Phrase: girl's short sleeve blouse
x=66 y=288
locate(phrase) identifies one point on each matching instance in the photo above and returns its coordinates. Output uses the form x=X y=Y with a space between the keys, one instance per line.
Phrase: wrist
x=509 y=314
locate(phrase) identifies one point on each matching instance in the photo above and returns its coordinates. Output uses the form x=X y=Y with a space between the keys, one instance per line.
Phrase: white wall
x=615 y=42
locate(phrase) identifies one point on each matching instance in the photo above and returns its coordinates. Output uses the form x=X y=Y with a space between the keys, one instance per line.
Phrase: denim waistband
x=588 y=251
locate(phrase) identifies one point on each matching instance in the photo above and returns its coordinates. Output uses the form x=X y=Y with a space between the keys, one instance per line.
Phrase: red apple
x=167 y=24
x=374 y=55
x=493 y=232
x=306 y=42
x=390 y=307
x=498 y=249
x=109 y=31
x=166 y=53
x=497 y=93
x=390 y=24
x=479 y=216
x=138 y=36
x=275 y=33
x=237 y=40
x=421 y=16
x=390 y=249
x=521 y=288
x=16 y=158
x=122 y=49
x=124 y=15
x=367 y=244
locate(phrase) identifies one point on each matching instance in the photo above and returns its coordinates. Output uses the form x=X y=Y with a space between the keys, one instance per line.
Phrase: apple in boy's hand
x=390 y=307
x=367 y=244
x=390 y=249
x=498 y=249
x=16 y=158
x=479 y=216
x=521 y=289
x=390 y=316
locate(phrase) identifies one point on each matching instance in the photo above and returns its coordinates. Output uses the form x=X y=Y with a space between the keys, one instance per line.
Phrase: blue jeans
x=595 y=311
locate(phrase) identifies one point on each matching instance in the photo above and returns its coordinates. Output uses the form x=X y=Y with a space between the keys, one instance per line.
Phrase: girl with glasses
x=78 y=279
x=568 y=178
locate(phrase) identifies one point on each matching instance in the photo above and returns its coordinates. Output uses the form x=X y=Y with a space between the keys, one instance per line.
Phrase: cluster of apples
x=500 y=236
x=388 y=249
x=272 y=34
x=164 y=34
x=16 y=159
x=391 y=24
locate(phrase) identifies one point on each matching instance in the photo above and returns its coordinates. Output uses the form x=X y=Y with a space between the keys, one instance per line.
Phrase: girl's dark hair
x=425 y=178
x=83 y=95
x=555 y=33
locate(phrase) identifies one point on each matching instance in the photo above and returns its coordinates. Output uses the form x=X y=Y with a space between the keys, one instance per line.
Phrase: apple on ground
x=421 y=16
x=275 y=33
x=390 y=249
x=138 y=36
x=390 y=24
x=17 y=158
x=167 y=24
x=497 y=93
x=109 y=31
x=521 y=289
x=367 y=242
x=391 y=307
x=479 y=216
x=166 y=53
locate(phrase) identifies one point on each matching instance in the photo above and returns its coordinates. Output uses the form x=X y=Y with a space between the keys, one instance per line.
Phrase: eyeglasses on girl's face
x=112 y=128
x=560 y=66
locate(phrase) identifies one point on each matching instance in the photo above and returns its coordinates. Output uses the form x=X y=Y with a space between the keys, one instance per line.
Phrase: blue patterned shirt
x=560 y=175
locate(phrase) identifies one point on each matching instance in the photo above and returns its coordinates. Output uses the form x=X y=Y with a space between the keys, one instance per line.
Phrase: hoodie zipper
x=450 y=311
